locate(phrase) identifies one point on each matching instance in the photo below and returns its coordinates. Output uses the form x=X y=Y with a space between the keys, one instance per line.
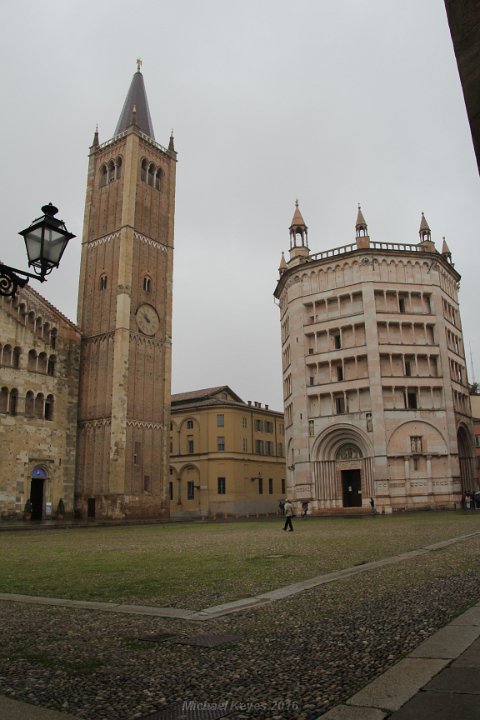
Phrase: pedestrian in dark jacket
x=288 y=508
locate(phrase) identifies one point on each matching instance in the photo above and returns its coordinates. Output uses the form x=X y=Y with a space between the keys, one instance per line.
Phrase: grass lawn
x=197 y=565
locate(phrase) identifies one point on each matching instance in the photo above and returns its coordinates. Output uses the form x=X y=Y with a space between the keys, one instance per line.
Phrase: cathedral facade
x=39 y=370
x=376 y=396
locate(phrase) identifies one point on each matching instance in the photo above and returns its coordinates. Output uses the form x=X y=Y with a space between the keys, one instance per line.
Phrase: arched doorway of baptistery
x=465 y=460
x=349 y=467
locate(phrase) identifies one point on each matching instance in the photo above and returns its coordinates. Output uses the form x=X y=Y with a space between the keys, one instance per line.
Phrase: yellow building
x=475 y=404
x=226 y=456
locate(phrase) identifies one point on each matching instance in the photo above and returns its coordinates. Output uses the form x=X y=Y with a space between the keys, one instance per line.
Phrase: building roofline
x=28 y=289
x=143 y=136
x=376 y=248
x=204 y=394
x=204 y=398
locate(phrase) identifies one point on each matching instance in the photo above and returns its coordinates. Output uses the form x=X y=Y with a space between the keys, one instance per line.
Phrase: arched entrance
x=191 y=496
x=348 y=460
x=37 y=488
x=465 y=459
x=343 y=467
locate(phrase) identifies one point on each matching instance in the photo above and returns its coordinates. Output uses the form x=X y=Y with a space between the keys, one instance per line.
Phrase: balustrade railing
x=121 y=135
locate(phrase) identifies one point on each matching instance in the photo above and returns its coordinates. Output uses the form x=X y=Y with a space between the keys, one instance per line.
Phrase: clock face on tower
x=147 y=319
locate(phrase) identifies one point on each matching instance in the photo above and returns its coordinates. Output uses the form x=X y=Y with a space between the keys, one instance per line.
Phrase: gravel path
x=296 y=658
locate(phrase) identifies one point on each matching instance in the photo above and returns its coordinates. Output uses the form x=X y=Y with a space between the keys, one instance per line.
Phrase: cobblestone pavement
x=294 y=658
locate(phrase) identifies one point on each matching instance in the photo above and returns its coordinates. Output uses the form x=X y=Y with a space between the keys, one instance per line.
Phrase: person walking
x=305 y=509
x=372 y=506
x=288 y=510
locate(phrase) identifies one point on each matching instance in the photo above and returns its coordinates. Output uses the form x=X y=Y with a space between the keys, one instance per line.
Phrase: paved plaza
x=390 y=638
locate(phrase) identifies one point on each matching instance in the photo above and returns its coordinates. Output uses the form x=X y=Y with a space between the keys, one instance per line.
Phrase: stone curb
x=15 y=710
x=405 y=680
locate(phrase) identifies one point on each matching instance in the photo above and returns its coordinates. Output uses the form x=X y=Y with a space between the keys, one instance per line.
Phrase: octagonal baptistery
x=375 y=382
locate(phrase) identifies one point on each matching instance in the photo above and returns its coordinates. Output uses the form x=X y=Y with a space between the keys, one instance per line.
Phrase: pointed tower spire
x=298 y=229
x=171 y=144
x=283 y=264
x=361 y=225
x=425 y=235
x=136 y=100
x=95 y=142
x=424 y=230
x=298 y=238
x=446 y=250
x=361 y=230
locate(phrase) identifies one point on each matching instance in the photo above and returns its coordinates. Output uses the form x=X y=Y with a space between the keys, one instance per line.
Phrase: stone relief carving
x=349 y=452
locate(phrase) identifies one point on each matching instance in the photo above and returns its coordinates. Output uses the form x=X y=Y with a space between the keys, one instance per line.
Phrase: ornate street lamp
x=45 y=239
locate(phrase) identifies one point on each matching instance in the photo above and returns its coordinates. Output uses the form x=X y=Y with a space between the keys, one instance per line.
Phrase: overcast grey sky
x=335 y=102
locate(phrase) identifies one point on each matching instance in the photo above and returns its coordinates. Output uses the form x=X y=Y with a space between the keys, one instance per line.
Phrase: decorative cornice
x=150 y=141
x=377 y=254
x=94 y=424
x=98 y=338
x=144 y=340
x=136 y=235
x=144 y=425
x=102 y=240
x=149 y=241
x=107 y=422
x=134 y=336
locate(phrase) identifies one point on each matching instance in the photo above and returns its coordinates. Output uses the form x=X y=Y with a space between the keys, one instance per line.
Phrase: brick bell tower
x=125 y=316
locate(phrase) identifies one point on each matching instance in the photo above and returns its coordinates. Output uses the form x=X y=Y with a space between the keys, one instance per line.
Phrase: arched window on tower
x=30 y=404
x=111 y=171
x=158 y=176
x=103 y=282
x=103 y=175
x=143 y=171
x=4 y=400
x=42 y=362
x=151 y=173
x=147 y=284
x=32 y=360
x=31 y=321
x=53 y=338
x=7 y=355
x=16 y=357
x=51 y=365
x=39 y=406
x=12 y=406
x=119 y=168
x=49 y=407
